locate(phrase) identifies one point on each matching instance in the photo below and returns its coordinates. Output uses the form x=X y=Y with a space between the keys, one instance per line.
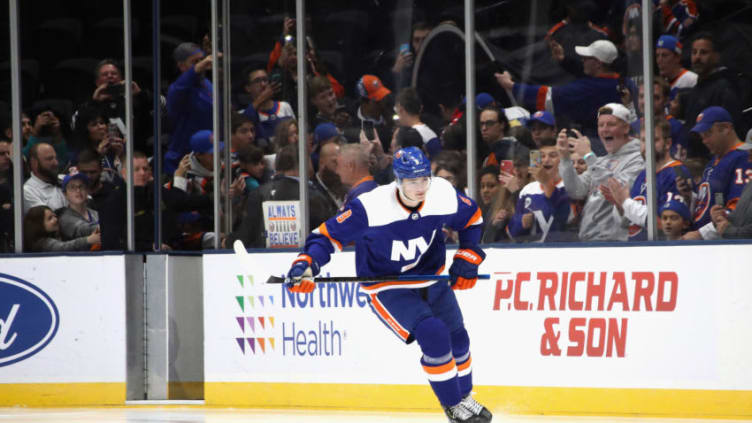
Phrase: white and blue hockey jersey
x=727 y=175
x=550 y=215
x=393 y=240
x=636 y=212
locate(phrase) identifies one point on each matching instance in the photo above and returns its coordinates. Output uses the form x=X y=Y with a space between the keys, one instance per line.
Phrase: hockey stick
x=370 y=279
x=242 y=254
x=239 y=249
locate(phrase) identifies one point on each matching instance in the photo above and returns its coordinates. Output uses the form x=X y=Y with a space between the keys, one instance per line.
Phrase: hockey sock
x=437 y=361
x=461 y=352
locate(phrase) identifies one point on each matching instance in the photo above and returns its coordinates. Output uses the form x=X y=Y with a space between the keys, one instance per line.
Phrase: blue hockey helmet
x=410 y=162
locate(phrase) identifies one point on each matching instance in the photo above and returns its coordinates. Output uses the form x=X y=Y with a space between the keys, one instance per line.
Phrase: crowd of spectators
x=566 y=163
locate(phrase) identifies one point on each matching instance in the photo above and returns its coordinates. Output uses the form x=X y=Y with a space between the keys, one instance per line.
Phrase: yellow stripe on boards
x=617 y=401
x=508 y=399
x=185 y=390
x=322 y=395
x=61 y=394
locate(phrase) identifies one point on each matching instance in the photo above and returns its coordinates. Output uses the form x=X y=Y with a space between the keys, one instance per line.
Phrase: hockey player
x=397 y=229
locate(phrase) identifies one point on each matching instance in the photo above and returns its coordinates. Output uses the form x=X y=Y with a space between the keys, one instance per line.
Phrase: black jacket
x=112 y=217
x=721 y=88
x=6 y=218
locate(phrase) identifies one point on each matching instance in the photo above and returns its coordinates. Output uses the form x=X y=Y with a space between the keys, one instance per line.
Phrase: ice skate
x=476 y=408
x=459 y=414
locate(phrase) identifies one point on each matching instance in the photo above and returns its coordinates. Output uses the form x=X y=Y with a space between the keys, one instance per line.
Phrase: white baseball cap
x=603 y=50
x=617 y=110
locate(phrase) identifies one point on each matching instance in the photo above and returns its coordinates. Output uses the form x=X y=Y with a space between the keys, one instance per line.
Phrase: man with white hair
x=600 y=218
x=578 y=101
x=353 y=169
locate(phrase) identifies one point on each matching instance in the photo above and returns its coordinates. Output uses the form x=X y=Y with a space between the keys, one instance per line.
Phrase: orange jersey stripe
x=476 y=216
x=540 y=101
x=396 y=194
x=388 y=318
x=274 y=56
x=324 y=231
x=304 y=257
x=465 y=365
x=437 y=370
x=556 y=27
x=364 y=179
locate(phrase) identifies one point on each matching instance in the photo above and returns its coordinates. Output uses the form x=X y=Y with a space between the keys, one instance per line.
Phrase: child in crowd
x=42 y=233
x=674 y=219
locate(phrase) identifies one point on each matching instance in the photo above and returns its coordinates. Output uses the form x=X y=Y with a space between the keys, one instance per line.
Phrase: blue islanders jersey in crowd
x=576 y=101
x=666 y=188
x=362 y=186
x=550 y=215
x=727 y=175
x=679 y=136
x=391 y=240
x=266 y=120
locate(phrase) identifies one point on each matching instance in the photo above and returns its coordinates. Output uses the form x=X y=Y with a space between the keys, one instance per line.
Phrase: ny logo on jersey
x=414 y=246
x=545 y=224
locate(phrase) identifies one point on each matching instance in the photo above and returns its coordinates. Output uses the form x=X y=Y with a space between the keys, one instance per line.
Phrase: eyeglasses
x=260 y=79
x=488 y=123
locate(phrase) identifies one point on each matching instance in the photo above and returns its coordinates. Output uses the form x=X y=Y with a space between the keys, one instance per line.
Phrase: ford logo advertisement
x=28 y=319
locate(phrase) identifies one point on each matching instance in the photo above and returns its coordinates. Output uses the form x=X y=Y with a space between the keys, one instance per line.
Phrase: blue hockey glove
x=300 y=276
x=464 y=270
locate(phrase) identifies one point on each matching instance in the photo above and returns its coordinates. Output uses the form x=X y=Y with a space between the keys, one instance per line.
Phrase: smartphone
x=113 y=131
x=404 y=48
x=368 y=129
x=719 y=199
x=115 y=90
x=507 y=166
x=535 y=158
x=276 y=78
x=309 y=41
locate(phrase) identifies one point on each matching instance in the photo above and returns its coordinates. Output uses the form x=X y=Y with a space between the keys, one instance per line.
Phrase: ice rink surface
x=157 y=414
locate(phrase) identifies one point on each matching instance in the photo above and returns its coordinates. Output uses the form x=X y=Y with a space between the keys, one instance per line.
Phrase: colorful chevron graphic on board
x=253 y=320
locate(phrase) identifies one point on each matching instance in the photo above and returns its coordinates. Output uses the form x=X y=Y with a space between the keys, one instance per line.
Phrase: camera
x=115 y=90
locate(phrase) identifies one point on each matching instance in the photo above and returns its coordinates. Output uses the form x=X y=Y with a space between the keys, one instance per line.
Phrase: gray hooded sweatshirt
x=600 y=219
